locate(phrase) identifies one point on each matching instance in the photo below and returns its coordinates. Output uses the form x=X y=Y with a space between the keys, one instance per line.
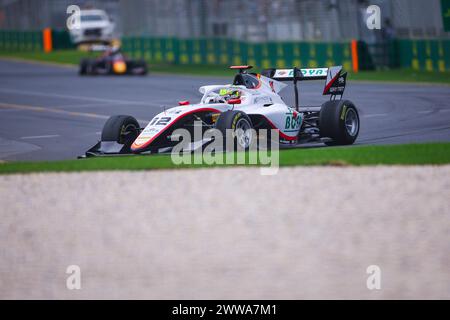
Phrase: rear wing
x=335 y=78
x=296 y=74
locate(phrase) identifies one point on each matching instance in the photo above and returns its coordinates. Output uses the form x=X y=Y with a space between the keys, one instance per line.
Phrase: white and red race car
x=252 y=101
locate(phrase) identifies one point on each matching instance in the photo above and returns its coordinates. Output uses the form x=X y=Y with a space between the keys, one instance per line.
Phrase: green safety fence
x=20 y=40
x=427 y=55
x=227 y=51
x=61 y=40
x=154 y=49
x=11 y=40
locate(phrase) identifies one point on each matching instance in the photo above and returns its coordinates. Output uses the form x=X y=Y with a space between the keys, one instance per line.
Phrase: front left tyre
x=121 y=129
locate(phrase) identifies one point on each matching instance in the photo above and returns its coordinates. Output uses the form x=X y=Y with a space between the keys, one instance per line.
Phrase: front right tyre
x=239 y=125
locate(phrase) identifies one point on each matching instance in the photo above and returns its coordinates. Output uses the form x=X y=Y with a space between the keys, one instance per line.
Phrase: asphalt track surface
x=50 y=113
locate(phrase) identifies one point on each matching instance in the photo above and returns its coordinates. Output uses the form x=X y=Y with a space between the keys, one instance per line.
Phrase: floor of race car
x=231 y=233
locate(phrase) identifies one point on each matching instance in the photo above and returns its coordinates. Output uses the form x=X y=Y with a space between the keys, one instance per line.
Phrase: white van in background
x=95 y=26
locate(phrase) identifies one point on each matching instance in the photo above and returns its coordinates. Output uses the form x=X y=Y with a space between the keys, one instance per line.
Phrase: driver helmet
x=228 y=94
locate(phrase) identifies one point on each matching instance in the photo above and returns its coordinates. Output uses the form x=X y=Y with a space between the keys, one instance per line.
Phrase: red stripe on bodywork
x=136 y=147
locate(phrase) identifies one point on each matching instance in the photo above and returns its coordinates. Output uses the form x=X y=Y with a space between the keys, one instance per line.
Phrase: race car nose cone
x=119 y=67
x=138 y=144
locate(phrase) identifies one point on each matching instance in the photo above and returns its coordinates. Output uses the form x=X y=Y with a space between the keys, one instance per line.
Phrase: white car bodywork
x=264 y=100
x=94 y=25
x=254 y=102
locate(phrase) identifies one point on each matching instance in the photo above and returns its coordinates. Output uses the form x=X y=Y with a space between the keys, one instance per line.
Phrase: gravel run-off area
x=304 y=233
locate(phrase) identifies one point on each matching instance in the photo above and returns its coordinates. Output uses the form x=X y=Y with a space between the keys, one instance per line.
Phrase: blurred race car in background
x=252 y=101
x=112 y=61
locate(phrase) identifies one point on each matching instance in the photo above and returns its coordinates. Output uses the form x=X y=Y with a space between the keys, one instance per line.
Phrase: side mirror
x=234 y=101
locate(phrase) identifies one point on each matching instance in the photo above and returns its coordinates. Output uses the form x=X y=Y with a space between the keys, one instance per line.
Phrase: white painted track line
x=376 y=115
x=77 y=97
x=41 y=137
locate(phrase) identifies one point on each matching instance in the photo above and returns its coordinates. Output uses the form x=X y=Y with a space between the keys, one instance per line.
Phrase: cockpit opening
x=249 y=80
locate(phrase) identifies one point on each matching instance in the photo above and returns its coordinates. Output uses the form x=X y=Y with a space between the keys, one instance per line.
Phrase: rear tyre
x=339 y=121
x=240 y=127
x=84 y=66
x=121 y=129
x=144 y=67
x=138 y=67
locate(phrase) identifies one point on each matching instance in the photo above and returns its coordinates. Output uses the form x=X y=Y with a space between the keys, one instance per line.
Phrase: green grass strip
x=408 y=154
